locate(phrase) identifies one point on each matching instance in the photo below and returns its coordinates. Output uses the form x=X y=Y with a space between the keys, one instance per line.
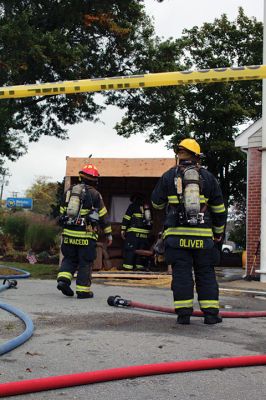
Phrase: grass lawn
x=37 y=271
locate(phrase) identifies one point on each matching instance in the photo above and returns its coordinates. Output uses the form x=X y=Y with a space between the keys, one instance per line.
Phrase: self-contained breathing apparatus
x=187 y=184
x=74 y=200
x=147 y=214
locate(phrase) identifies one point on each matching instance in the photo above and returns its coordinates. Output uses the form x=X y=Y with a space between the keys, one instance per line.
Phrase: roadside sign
x=20 y=202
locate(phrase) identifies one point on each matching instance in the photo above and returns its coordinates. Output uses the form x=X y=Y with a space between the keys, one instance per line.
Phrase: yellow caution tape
x=226 y=74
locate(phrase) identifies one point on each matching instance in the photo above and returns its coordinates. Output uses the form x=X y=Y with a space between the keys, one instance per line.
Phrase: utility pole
x=3 y=182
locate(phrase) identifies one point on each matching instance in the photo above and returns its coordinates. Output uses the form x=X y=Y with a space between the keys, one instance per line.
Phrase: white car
x=227 y=248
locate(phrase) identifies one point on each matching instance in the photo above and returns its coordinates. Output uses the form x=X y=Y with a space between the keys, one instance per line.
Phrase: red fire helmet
x=89 y=171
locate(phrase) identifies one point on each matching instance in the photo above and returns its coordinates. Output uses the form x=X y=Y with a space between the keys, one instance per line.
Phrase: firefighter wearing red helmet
x=83 y=215
x=195 y=219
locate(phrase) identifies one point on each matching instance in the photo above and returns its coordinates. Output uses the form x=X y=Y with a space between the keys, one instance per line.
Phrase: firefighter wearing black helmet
x=195 y=220
x=82 y=214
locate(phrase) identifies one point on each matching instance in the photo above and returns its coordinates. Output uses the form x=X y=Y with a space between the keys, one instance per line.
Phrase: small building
x=250 y=141
x=119 y=179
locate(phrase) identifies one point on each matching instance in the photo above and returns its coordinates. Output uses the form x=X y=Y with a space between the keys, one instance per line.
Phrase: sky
x=48 y=156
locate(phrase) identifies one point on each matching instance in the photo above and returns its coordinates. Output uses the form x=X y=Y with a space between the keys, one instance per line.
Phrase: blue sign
x=20 y=202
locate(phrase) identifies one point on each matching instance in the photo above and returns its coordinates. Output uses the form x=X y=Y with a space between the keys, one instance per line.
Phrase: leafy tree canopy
x=51 y=40
x=212 y=113
x=43 y=194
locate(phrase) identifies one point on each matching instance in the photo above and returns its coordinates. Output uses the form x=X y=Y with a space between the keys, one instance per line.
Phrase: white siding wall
x=255 y=139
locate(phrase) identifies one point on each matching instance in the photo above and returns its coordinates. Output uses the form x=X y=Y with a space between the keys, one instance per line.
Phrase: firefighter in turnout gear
x=82 y=214
x=135 y=231
x=195 y=221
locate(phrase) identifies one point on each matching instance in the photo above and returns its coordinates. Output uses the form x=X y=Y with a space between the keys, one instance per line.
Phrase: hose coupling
x=11 y=284
x=117 y=301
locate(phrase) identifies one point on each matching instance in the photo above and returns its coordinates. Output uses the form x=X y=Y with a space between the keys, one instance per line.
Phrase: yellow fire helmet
x=190 y=145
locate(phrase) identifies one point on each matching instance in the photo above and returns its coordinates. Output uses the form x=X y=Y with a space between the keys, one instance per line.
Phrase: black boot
x=65 y=288
x=183 y=319
x=212 y=319
x=84 y=295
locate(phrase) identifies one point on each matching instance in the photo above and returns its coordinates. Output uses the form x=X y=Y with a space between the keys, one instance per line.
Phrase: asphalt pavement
x=73 y=335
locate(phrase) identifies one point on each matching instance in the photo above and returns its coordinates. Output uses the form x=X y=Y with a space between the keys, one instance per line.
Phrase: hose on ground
x=117 y=301
x=29 y=327
x=22 y=274
x=19 y=340
x=85 y=378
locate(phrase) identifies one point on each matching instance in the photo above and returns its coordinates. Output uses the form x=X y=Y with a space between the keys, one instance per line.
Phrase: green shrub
x=41 y=237
x=15 y=226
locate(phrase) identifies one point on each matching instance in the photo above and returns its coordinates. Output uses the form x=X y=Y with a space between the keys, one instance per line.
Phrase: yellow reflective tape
x=138 y=215
x=127 y=266
x=85 y=289
x=65 y=274
x=218 y=229
x=158 y=206
x=80 y=234
x=102 y=212
x=127 y=217
x=108 y=229
x=183 y=303
x=218 y=209
x=175 y=200
x=84 y=212
x=224 y=74
x=209 y=303
x=206 y=232
x=138 y=230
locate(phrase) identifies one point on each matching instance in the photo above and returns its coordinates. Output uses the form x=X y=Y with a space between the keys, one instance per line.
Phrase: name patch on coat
x=191 y=243
x=76 y=241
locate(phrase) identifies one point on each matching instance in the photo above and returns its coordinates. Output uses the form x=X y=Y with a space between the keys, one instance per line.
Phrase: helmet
x=89 y=171
x=190 y=145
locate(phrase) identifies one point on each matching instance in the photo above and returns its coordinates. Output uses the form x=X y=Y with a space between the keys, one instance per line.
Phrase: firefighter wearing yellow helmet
x=83 y=214
x=195 y=220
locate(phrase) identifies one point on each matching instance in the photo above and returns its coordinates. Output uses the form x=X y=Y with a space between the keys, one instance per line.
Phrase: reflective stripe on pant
x=80 y=259
x=183 y=261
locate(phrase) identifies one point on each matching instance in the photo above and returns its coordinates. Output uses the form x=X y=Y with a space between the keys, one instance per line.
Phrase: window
x=119 y=205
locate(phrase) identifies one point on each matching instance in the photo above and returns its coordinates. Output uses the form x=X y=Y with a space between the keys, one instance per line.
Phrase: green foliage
x=50 y=40
x=58 y=199
x=238 y=235
x=27 y=231
x=44 y=195
x=212 y=113
x=238 y=232
x=15 y=226
x=40 y=237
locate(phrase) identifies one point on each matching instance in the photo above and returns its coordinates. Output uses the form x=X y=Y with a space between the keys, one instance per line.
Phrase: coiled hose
x=29 y=327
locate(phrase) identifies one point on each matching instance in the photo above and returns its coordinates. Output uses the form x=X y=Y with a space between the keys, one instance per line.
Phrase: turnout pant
x=77 y=258
x=183 y=262
x=135 y=241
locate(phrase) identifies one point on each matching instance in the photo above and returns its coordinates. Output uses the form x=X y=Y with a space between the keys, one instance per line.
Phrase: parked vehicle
x=227 y=248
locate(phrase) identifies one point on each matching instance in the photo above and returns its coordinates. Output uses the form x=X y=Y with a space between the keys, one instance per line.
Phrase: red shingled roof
x=122 y=167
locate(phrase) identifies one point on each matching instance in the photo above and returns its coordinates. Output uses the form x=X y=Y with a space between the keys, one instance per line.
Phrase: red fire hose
x=84 y=378
x=118 y=301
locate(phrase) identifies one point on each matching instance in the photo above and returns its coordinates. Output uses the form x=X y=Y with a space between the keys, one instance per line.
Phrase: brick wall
x=254 y=206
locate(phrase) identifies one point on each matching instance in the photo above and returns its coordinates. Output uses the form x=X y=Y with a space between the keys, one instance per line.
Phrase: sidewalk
x=242 y=285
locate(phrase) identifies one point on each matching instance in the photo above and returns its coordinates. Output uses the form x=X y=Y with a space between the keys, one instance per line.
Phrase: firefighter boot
x=183 y=319
x=84 y=295
x=65 y=288
x=212 y=319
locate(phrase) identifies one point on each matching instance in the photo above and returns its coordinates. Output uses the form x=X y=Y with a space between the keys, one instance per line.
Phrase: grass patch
x=37 y=271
